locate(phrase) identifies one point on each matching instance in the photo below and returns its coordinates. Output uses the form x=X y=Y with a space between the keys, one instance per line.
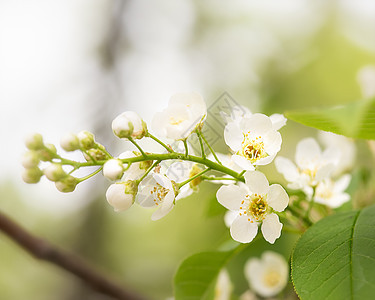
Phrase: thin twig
x=43 y=250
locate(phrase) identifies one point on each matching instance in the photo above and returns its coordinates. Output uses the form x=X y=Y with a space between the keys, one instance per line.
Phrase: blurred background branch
x=43 y=250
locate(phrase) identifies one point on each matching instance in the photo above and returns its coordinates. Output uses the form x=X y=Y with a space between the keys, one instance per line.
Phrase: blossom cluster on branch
x=158 y=180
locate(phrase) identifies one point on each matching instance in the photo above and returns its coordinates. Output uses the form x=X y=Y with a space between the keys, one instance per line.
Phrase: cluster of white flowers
x=319 y=173
x=159 y=180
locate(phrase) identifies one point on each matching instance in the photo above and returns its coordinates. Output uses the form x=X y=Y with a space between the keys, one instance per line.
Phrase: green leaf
x=335 y=258
x=195 y=279
x=356 y=119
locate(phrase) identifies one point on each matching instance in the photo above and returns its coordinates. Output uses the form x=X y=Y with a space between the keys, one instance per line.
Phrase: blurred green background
x=73 y=65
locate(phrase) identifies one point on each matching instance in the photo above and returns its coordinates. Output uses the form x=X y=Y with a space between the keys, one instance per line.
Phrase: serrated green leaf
x=195 y=279
x=335 y=258
x=356 y=119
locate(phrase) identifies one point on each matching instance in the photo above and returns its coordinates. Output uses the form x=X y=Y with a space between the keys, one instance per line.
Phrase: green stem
x=311 y=204
x=90 y=175
x=243 y=172
x=149 y=170
x=192 y=178
x=103 y=149
x=166 y=156
x=218 y=178
x=160 y=142
x=298 y=214
x=209 y=147
x=186 y=147
x=138 y=147
x=201 y=143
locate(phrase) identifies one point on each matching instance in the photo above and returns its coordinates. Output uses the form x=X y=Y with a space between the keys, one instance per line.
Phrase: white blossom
x=113 y=169
x=332 y=193
x=313 y=165
x=267 y=276
x=346 y=151
x=69 y=142
x=254 y=204
x=129 y=124
x=253 y=140
x=157 y=190
x=184 y=113
x=121 y=195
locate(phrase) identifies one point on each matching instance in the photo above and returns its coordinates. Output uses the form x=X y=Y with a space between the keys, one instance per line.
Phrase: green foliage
x=356 y=119
x=196 y=276
x=335 y=258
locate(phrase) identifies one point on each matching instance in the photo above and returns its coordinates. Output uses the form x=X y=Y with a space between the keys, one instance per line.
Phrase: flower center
x=253 y=149
x=271 y=278
x=255 y=207
x=175 y=121
x=159 y=193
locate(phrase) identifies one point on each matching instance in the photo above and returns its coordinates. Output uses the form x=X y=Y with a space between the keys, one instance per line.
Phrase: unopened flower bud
x=47 y=153
x=86 y=139
x=113 y=169
x=96 y=154
x=69 y=142
x=54 y=172
x=34 y=141
x=129 y=124
x=196 y=169
x=122 y=195
x=30 y=159
x=32 y=175
x=67 y=184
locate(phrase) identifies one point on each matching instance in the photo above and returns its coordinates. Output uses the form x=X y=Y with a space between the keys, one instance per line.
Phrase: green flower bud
x=34 y=141
x=48 y=153
x=86 y=140
x=54 y=172
x=129 y=124
x=69 y=142
x=96 y=154
x=30 y=159
x=32 y=175
x=67 y=184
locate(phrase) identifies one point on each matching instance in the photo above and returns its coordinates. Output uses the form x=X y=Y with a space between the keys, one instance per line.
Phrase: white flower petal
x=233 y=136
x=307 y=151
x=242 y=162
x=337 y=200
x=272 y=142
x=278 y=121
x=231 y=196
x=257 y=182
x=256 y=124
x=278 y=199
x=287 y=168
x=230 y=216
x=271 y=228
x=159 y=213
x=265 y=160
x=342 y=183
x=242 y=230
x=167 y=203
x=324 y=172
x=163 y=181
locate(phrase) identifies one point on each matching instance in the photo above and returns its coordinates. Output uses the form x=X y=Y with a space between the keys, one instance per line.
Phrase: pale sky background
x=52 y=79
